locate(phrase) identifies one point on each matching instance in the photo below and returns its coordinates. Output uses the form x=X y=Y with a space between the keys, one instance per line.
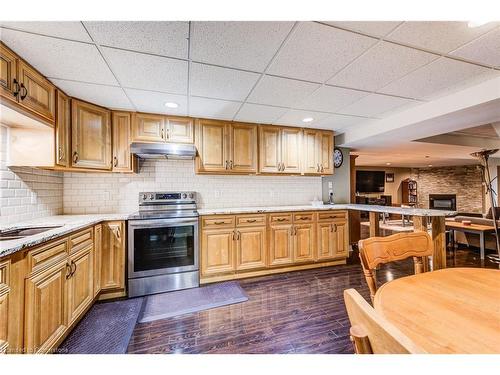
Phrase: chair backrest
x=380 y=250
x=371 y=333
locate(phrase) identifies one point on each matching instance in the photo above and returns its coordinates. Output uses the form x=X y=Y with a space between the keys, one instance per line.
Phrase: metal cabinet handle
x=238 y=235
x=60 y=151
x=280 y=219
x=227 y=165
x=23 y=96
x=162 y=134
x=302 y=218
x=219 y=222
x=68 y=271
x=115 y=161
x=251 y=220
x=322 y=169
x=118 y=234
x=16 y=88
x=168 y=133
x=335 y=227
x=317 y=167
x=75 y=157
x=230 y=164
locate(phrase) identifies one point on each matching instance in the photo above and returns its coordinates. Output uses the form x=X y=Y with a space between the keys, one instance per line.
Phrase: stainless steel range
x=163 y=250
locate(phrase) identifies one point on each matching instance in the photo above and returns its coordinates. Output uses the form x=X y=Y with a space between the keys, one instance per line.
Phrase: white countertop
x=66 y=223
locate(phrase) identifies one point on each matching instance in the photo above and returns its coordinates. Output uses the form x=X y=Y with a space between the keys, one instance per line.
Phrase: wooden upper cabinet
x=9 y=86
x=310 y=161
x=36 y=92
x=325 y=146
x=180 y=130
x=212 y=143
x=63 y=124
x=122 y=159
x=91 y=136
x=243 y=148
x=291 y=145
x=148 y=128
x=269 y=149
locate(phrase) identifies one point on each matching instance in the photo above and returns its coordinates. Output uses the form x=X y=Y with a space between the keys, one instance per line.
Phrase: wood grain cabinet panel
x=9 y=89
x=80 y=286
x=91 y=136
x=304 y=245
x=180 y=130
x=63 y=130
x=4 y=305
x=269 y=149
x=325 y=146
x=45 y=314
x=250 y=248
x=121 y=126
x=148 y=128
x=97 y=258
x=37 y=93
x=280 y=244
x=217 y=251
x=311 y=157
x=291 y=150
x=332 y=240
x=243 y=148
x=113 y=256
x=212 y=143
x=341 y=239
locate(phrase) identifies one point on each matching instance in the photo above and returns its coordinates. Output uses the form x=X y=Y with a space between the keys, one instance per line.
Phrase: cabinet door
x=80 y=286
x=270 y=149
x=310 y=161
x=45 y=314
x=250 y=248
x=217 y=251
x=122 y=159
x=180 y=130
x=340 y=239
x=325 y=249
x=243 y=148
x=113 y=256
x=37 y=93
x=325 y=148
x=304 y=244
x=280 y=245
x=212 y=146
x=91 y=136
x=4 y=305
x=148 y=128
x=97 y=258
x=291 y=139
x=63 y=123
x=8 y=74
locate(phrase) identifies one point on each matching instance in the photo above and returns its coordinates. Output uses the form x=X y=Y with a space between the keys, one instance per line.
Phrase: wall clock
x=338 y=157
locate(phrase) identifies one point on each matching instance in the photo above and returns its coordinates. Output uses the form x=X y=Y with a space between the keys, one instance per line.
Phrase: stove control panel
x=167 y=197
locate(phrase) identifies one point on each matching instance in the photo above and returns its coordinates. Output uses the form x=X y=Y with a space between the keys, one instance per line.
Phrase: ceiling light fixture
x=430 y=165
x=308 y=119
x=387 y=163
x=473 y=24
x=171 y=105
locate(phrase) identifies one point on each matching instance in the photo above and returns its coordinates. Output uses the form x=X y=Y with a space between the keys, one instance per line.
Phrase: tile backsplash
x=107 y=193
x=27 y=193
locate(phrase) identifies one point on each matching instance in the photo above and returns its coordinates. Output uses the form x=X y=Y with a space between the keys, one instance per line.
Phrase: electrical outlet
x=330 y=185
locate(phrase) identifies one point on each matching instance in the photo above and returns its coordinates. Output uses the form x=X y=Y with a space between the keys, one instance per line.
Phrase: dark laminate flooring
x=296 y=312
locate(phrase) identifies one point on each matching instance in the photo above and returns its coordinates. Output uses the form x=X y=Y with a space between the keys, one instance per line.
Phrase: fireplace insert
x=443 y=202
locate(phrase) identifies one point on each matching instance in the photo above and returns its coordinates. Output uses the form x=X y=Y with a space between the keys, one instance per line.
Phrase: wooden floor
x=297 y=312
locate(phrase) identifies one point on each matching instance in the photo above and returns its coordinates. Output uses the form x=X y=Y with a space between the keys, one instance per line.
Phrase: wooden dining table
x=453 y=310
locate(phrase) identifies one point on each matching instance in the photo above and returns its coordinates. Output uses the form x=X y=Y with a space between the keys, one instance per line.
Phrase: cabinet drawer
x=81 y=239
x=47 y=255
x=332 y=215
x=304 y=217
x=218 y=221
x=280 y=218
x=250 y=220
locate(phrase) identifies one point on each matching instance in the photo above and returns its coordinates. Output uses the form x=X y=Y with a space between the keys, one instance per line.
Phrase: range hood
x=163 y=150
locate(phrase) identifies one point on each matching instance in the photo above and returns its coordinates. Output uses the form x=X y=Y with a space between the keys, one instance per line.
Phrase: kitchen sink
x=17 y=233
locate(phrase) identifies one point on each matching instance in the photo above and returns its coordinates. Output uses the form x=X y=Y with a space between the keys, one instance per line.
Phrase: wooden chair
x=380 y=250
x=372 y=333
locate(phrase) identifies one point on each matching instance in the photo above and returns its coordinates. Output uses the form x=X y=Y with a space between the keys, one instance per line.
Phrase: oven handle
x=160 y=222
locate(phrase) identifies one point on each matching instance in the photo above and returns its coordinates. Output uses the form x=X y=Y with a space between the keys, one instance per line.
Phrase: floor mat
x=105 y=329
x=166 y=305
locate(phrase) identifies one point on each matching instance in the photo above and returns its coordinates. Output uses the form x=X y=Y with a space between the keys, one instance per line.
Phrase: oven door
x=162 y=246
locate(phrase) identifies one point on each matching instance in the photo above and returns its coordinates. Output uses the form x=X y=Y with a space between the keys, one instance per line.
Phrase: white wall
x=107 y=193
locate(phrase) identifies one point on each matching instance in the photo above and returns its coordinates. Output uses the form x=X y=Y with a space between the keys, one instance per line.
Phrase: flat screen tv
x=370 y=181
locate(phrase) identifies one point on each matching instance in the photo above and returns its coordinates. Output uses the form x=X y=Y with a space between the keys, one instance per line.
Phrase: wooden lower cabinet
x=45 y=314
x=280 y=244
x=217 y=251
x=304 y=244
x=341 y=239
x=4 y=305
x=250 y=248
x=97 y=258
x=113 y=260
x=80 y=285
x=332 y=240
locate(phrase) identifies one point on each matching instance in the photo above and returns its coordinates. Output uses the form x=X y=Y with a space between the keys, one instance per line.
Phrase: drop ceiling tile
x=244 y=45
x=485 y=50
x=220 y=83
x=280 y=91
x=161 y=38
x=147 y=72
x=375 y=104
x=375 y=28
x=440 y=36
x=57 y=58
x=438 y=78
x=381 y=65
x=60 y=29
x=315 y=52
x=107 y=96
x=259 y=113
x=294 y=117
x=330 y=99
x=154 y=102
x=338 y=122
x=212 y=108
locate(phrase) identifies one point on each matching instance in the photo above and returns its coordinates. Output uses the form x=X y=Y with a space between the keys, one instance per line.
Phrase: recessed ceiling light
x=473 y=24
x=387 y=163
x=171 y=105
x=430 y=165
x=307 y=119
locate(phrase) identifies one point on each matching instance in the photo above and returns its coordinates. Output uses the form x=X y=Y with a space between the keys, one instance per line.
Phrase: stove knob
x=151 y=196
x=184 y=195
x=191 y=195
x=144 y=197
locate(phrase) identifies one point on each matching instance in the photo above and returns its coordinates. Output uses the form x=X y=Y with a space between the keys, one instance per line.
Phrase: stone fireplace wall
x=464 y=181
